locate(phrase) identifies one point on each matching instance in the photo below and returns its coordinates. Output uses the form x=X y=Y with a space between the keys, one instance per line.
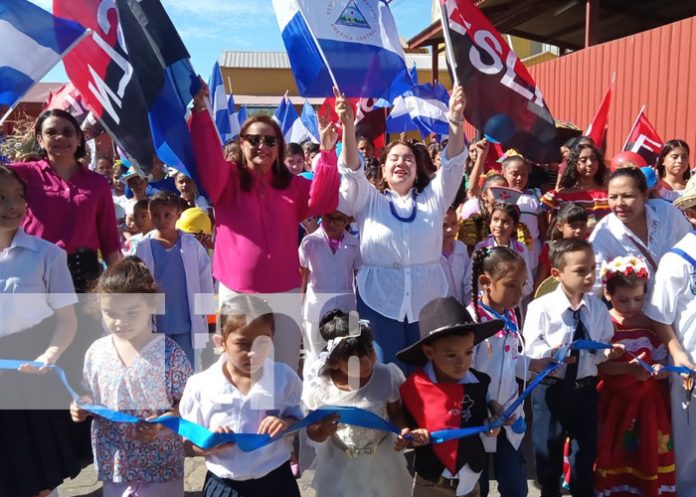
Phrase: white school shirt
x=211 y=400
x=199 y=281
x=466 y=476
x=401 y=271
x=331 y=275
x=455 y=266
x=550 y=324
x=611 y=238
x=530 y=208
x=672 y=299
x=34 y=282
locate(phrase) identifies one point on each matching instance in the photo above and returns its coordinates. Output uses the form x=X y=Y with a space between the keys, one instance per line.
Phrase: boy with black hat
x=447 y=393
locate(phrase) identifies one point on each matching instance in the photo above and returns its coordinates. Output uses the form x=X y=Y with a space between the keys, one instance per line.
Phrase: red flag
x=69 y=99
x=597 y=130
x=503 y=100
x=643 y=139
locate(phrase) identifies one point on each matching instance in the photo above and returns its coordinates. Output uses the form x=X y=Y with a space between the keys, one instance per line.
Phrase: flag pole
x=316 y=42
x=642 y=109
x=40 y=77
x=448 y=42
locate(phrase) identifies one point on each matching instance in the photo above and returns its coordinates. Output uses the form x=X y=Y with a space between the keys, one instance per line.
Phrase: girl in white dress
x=354 y=461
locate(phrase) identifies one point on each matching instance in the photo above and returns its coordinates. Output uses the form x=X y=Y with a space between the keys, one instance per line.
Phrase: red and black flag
x=502 y=99
x=643 y=139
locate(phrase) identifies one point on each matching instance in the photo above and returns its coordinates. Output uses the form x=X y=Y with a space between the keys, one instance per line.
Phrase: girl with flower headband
x=635 y=443
x=350 y=460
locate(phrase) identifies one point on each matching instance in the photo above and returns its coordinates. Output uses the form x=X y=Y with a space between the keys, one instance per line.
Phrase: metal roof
x=279 y=60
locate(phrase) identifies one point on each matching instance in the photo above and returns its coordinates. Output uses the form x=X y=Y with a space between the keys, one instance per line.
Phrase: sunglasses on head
x=255 y=140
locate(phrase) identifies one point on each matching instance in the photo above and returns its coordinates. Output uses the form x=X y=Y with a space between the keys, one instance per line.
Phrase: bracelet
x=455 y=122
x=196 y=109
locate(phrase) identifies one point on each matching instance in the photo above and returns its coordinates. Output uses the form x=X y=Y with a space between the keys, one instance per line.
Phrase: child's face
x=334 y=224
x=248 y=347
x=13 y=205
x=502 y=225
x=575 y=229
x=627 y=301
x=488 y=196
x=451 y=355
x=295 y=163
x=127 y=316
x=450 y=225
x=517 y=174
x=142 y=221
x=130 y=224
x=578 y=274
x=506 y=291
x=137 y=184
x=676 y=162
x=366 y=364
x=164 y=217
x=587 y=164
x=185 y=185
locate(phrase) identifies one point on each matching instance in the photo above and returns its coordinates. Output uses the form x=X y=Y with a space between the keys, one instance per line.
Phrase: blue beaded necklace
x=411 y=217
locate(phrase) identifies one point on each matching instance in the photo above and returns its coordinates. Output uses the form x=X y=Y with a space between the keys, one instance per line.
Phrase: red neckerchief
x=436 y=406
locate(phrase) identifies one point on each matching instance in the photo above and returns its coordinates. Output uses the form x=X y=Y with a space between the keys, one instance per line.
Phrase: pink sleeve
x=213 y=170
x=323 y=192
x=107 y=229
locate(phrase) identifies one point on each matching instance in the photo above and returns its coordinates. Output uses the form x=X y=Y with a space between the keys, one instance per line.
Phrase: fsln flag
x=32 y=41
x=67 y=98
x=101 y=70
x=309 y=119
x=356 y=41
x=235 y=123
x=597 y=130
x=220 y=106
x=643 y=139
x=502 y=99
x=371 y=122
x=294 y=131
x=166 y=79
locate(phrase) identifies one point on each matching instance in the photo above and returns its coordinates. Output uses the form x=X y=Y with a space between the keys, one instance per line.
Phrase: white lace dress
x=358 y=461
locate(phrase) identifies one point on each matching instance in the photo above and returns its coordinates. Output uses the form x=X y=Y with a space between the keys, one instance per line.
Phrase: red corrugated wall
x=656 y=68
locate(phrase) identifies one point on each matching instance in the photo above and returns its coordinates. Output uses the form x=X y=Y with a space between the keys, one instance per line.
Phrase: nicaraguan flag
x=309 y=119
x=32 y=41
x=235 y=123
x=220 y=111
x=290 y=123
x=242 y=115
x=399 y=119
x=358 y=39
x=428 y=105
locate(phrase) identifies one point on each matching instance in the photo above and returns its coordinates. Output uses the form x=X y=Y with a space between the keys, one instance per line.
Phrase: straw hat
x=688 y=200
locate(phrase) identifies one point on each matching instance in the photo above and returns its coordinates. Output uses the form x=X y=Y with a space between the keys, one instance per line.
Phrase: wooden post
x=591 y=22
x=435 y=62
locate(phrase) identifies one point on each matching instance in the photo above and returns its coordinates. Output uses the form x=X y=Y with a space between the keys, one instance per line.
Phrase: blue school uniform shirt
x=171 y=278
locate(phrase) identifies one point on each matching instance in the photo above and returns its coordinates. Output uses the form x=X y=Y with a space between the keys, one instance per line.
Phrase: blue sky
x=209 y=27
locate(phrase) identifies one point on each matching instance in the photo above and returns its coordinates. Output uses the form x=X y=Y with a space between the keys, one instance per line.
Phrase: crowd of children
x=467 y=303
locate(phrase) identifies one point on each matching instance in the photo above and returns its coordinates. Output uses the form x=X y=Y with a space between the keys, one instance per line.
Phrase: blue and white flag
x=32 y=41
x=356 y=41
x=309 y=119
x=290 y=123
x=242 y=115
x=426 y=105
x=220 y=111
x=235 y=123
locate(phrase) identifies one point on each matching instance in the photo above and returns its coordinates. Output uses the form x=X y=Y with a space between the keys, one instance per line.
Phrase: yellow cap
x=195 y=220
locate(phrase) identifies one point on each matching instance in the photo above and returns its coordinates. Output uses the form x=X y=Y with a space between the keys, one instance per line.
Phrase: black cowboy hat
x=445 y=317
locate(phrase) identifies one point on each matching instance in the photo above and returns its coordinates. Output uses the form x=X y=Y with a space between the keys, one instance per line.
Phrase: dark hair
x=634 y=173
x=233 y=152
x=293 y=148
x=363 y=138
x=241 y=311
x=494 y=262
x=570 y=175
x=129 y=275
x=667 y=148
x=425 y=157
x=486 y=185
x=511 y=159
x=568 y=213
x=165 y=198
x=422 y=175
x=281 y=174
x=510 y=209
x=565 y=246
x=38 y=128
x=8 y=172
x=310 y=147
x=141 y=205
x=624 y=280
x=336 y=324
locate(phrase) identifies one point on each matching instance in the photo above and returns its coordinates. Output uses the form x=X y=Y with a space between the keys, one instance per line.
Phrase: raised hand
x=343 y=109
x=203 y=95
x=327 y=132
x=457 y=103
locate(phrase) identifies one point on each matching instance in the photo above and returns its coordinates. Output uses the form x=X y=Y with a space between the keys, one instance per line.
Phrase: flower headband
x=625 y=266
x=319 y=367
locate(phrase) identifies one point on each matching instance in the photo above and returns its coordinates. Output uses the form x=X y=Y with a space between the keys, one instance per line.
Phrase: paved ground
x=86 y=484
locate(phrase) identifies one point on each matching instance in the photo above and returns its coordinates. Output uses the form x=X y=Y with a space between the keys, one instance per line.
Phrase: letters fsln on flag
x=502 y=99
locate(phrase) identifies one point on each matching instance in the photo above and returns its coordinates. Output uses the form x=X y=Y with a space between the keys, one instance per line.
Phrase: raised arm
x=477 y=170
x=456 y=142
x=349 y=154
x=213 y=170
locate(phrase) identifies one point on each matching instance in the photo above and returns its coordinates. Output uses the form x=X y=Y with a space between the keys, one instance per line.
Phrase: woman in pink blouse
x=258 y=206
x=69 y=205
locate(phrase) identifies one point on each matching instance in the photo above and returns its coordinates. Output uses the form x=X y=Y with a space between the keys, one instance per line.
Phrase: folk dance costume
x=673 y=302
x=634 y=452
